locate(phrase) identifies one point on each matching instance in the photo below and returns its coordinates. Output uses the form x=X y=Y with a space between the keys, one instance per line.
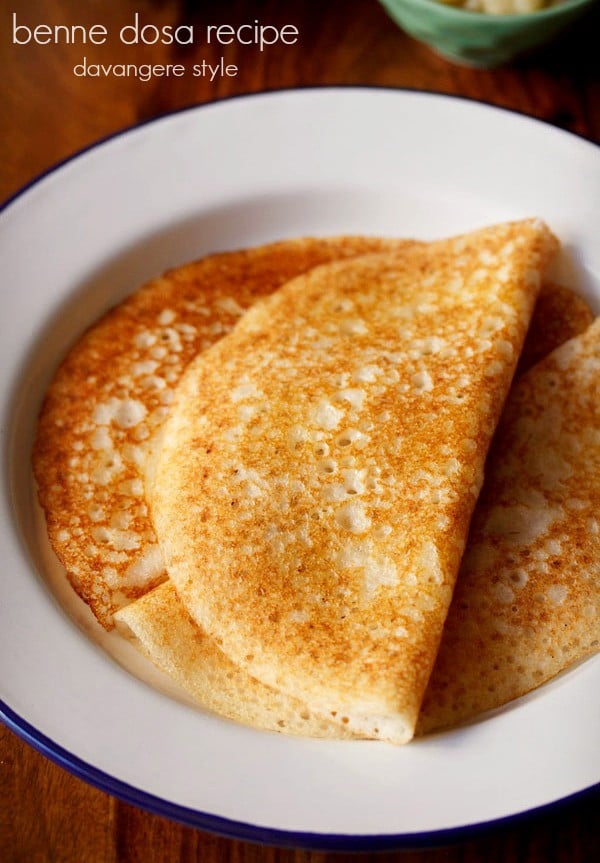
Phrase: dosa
x=320 y=464
x=110 y=396
x=527 y=600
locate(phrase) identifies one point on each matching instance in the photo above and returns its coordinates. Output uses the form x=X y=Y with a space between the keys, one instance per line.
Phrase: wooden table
x=45 y=813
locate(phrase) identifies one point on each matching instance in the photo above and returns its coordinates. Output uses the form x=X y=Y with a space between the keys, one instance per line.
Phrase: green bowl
x=478 y=38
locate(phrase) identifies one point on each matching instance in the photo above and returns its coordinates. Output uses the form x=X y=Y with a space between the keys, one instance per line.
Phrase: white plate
x=230 y=174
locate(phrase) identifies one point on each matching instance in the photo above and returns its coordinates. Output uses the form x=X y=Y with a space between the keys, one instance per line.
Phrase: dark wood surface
x=47 y=114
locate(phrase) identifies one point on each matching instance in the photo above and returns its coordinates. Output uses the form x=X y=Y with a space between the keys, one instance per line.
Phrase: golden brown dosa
x=320 y=464
x=558 y=314
x=162 y=629
x=527 y=601
x=111 y=394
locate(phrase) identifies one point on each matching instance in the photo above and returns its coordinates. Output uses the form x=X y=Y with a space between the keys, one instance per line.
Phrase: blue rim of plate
x=242 y=831
x=216 y=824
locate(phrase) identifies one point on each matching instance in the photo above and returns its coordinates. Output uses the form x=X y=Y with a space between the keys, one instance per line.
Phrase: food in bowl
x=502 y=7
x=463 y=34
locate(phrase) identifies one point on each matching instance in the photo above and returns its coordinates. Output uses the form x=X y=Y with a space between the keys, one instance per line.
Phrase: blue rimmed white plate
x=226 y=175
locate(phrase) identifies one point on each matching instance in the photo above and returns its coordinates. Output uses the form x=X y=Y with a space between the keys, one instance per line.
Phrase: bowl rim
x=561 y=7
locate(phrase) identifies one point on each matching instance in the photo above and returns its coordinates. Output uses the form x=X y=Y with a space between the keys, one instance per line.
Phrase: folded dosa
x=160 y=627
x=110 y=396
x=320 y=464
x=527 y=600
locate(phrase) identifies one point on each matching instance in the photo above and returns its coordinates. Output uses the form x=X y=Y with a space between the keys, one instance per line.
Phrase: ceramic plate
x=230 y=174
